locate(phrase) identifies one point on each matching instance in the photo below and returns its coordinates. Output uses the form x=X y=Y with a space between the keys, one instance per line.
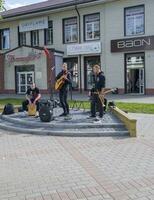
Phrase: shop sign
x=33 y=24
x=133 y=44
x=85 y=48
x=31 y=57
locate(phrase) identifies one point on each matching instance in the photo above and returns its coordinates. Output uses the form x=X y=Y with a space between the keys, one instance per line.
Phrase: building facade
x=117 y=34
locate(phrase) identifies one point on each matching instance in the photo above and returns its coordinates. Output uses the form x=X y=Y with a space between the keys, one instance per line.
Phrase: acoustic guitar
x=60 y=82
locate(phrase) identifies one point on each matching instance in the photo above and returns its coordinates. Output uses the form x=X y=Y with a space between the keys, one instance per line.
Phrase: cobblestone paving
x=56 y=168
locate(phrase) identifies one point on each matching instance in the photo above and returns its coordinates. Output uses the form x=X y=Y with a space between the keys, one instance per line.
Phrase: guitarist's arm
x=58 y=76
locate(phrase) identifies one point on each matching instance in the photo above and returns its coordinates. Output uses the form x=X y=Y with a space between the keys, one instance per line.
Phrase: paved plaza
x=36 y=167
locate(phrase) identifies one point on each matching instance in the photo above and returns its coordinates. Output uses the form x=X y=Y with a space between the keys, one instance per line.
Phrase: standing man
x=63 y=91
x=97 y=91
x=32 y=97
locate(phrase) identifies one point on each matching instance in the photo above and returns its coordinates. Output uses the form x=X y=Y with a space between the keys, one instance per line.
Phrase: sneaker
x=63 y=115
x=91 y=117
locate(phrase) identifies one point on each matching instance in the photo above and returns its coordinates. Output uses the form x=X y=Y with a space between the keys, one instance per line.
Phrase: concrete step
x=33 y=122
x=83 y=132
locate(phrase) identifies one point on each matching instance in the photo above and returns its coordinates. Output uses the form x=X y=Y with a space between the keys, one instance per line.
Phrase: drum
x=31 y=109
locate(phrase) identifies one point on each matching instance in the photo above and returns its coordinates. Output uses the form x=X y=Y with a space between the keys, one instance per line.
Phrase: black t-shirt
x=98 y=81
x=33 y=92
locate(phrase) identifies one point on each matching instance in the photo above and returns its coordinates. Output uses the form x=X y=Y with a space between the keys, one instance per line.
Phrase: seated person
x=32 y=97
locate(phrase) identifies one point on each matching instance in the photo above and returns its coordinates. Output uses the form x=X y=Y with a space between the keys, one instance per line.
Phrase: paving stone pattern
x=56 y=168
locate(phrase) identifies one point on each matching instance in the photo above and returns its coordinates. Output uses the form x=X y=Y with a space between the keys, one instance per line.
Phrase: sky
x=9 y=4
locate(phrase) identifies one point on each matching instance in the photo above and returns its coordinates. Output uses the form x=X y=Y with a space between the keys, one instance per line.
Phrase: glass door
x=25 y=79
x=135 y=73
x=89 y=62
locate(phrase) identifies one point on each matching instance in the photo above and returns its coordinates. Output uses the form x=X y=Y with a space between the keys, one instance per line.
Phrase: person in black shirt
x=64 y=89
x=32 y=97
x=98 y=89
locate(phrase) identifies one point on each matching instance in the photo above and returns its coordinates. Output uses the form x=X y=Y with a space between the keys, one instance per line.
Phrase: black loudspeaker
x=46 y=111
x=46 y=114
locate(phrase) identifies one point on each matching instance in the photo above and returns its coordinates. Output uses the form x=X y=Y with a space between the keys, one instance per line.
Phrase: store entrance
x=24 y=77
x=89 y=62
x=135 y=73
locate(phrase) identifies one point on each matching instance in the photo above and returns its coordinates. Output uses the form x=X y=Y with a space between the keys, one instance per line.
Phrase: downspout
x=79 y=17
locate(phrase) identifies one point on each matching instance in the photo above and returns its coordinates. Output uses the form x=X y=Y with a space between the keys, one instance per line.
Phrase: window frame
x=125 y=9
x=19 y=39
x=63 y=27
x=32 y=41
x=84 y=27
x=45 y=33
x=1 y=39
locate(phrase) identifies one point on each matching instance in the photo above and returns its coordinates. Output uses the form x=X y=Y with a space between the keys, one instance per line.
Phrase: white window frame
x=92 y=24
x=5 y=39
x=131 y=20
x=70 y=29
x=35 y=40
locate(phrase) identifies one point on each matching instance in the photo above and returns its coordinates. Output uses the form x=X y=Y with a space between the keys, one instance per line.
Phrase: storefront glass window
x=135 y=73
x=89 y=63
x=73 y=68
x=5 y=38
x=92 y=27
x=70 y=30
x=134 y=21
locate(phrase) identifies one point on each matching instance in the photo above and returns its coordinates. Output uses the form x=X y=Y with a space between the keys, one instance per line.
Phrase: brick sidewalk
x=56 y=168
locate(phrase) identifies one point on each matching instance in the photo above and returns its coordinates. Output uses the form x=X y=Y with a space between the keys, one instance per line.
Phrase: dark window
x=48 y=34
x=35 y=38
x=21 y=38
x=92 y=27
x=89 y=62
x=70 y=30
x=134 y=20
x=5 y=38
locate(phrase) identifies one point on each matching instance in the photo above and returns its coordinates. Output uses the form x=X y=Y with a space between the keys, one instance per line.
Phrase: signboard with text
x=33 y=24
x=85 y=48
x=133 y=44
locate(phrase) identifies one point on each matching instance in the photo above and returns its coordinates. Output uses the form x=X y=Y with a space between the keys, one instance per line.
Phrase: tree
x=1 y=6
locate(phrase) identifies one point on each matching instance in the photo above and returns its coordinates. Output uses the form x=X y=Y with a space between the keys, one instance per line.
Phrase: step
x=92 y=132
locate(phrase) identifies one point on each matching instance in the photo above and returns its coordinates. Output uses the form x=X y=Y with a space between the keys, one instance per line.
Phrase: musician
x=32 y=97
x=64 y=89
x=98 y=89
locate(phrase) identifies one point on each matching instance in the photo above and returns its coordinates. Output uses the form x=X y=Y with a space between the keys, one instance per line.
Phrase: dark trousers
x=96 y=102
x=26 y=102
x=63 y=101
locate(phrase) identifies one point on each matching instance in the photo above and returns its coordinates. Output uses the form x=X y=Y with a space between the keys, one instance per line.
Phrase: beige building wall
x=112 y=27
x=40 y=68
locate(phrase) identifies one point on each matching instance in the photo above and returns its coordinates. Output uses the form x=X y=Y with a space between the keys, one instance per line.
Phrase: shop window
x=70 y=30
x=89 y=62
x=135 y=73
x=92 y=27
x=72 y=64
x=48 y=34
x=5 y=38
x=134 y=21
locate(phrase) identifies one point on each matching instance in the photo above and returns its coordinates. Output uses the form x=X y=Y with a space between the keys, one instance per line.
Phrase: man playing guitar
x=96 y=91
x=65 y=76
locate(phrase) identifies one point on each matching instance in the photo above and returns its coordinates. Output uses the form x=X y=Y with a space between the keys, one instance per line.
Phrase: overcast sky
x=9 y=4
